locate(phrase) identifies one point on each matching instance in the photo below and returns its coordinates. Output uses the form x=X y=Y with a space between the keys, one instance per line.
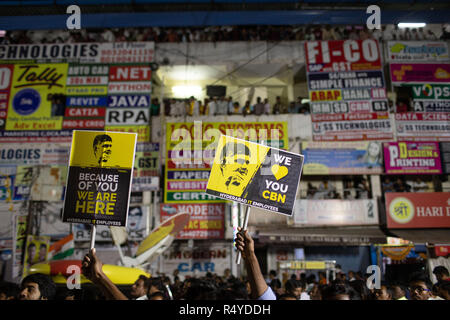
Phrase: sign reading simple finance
x=99 y=181
x=255 y=174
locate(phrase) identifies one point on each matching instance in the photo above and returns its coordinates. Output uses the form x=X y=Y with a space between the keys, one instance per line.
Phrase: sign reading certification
x=255 y=174
x=99 y=180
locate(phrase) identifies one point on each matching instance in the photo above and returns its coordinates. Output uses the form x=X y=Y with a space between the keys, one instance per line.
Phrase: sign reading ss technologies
x=256 y=175
x=99 y=181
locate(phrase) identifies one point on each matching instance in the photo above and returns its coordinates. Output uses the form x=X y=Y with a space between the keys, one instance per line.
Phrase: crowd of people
x=341 y=286
x=225 y=33
x=399 y=184
x=227 y=106
x=354 y=188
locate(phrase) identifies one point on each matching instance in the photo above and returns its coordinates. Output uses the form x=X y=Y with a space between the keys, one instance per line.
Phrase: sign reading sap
x=129 y=101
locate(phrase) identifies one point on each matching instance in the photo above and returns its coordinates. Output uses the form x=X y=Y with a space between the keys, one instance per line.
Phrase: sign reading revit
x=255 y=174
x=99 y=180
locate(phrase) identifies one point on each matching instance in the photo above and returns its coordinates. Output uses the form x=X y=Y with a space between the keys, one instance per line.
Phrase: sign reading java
x=418 y=210
x=256 y=175
x=99 y=180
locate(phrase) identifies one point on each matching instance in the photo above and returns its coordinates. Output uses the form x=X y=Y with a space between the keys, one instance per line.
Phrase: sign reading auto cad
x=255 y=174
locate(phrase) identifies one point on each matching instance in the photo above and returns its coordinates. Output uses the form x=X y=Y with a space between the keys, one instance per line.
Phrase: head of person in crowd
x=384 y=293
x=201 y=289
x=441 y=273
x=156 y=284
x=157 y=295
x=444 y=290
x=139 y=287
x=272 y=274
x=63 y=293
x=276 y=286
x=37 y=286
x=338 y=291
x=420 y=286
x=398 y=292
x=294 y=288
x=8 y=291
x=234 y=289
x=360 y=288
x=287 y=296
x=315 y=293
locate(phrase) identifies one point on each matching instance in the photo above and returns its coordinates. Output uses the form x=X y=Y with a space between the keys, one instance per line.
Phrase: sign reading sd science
x=256 y=175
x=99 y=181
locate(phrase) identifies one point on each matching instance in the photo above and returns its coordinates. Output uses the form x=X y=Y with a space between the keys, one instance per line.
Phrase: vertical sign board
x=99 y=179
x=255 y=175
x=347 y=90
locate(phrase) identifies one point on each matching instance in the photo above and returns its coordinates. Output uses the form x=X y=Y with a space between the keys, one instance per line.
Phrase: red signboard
x=85 y=112
x=206 y=222
x=130 y=73
x=83 y=123
x=418 y=210
x=442 y=251
x=342 y=55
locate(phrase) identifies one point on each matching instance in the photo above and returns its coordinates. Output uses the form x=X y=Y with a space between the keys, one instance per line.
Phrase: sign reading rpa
x=256 y=175
x=99 y=180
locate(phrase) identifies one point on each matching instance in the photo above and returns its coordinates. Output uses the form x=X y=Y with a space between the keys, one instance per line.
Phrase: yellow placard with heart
x=279 y=171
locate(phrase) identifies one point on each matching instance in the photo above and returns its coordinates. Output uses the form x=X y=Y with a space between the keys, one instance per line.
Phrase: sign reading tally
x=99 y=181
x=255 y=174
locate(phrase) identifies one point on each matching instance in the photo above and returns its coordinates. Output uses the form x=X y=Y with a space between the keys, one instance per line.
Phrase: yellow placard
x=305 y=265
x=102 y=149
x=37 y=97
x=235 y=164
x=143 y=132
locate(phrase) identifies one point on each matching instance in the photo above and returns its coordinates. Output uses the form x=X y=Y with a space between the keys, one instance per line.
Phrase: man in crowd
x=441 y=274
x=258 y=108
x=420 y=287
x=37 y=286
x=139 y=288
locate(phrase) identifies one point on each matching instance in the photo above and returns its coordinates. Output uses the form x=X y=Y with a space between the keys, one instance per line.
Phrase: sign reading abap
x=99 y=181
x=255 y=174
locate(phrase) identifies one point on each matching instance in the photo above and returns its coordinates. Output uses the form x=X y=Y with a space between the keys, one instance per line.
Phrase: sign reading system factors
x=99 y=180
x=256 y=175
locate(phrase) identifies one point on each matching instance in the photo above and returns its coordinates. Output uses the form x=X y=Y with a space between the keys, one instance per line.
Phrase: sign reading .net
x=346 y=77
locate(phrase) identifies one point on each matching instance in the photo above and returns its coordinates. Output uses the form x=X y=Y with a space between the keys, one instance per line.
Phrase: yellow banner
x=37 y=99
x=143 y=132
x=102 y=149
x=87 y=91
x=208 y=132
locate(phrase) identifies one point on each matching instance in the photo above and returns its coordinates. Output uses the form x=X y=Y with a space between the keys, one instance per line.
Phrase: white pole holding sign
x=93 y=232
x=244 y=227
